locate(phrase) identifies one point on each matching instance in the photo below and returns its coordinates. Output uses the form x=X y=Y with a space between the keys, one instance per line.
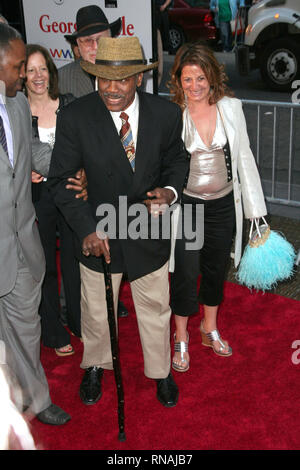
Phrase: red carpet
x=248 y=401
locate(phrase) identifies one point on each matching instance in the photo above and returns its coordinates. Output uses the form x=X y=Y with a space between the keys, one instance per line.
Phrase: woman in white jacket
x=224 y=178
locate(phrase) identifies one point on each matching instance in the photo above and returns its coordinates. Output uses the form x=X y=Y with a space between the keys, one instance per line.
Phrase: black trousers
x=50 y=220
x=211 y=260
x=70 y=275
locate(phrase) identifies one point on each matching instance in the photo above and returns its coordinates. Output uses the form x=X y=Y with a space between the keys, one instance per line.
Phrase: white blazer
x=247 y=190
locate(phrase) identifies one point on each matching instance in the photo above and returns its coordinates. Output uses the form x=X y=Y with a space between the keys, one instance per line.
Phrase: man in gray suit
x=91 y=25
x=22 y=263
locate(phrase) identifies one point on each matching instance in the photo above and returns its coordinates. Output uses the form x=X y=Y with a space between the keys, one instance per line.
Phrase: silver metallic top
x=208 y=172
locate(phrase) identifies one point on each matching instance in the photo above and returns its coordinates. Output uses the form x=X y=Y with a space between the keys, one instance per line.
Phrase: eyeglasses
x=89 y=42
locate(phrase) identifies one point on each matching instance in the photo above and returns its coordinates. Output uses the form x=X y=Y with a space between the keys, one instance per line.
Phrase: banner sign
x=47 y=21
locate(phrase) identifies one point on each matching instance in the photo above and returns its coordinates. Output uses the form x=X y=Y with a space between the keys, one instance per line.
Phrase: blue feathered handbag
x=267 y=259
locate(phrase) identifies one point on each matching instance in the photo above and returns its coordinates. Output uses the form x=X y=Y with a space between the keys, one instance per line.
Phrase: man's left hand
x=79 y=183
x=161 y=198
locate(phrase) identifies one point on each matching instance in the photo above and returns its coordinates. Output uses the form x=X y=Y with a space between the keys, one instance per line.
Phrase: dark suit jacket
x=86 y=137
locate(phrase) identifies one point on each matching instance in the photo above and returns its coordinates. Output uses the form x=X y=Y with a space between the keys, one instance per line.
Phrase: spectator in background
x=74 y=47
x=162 y=19
x=41 y=89
x=91 y=25
x=225 y=11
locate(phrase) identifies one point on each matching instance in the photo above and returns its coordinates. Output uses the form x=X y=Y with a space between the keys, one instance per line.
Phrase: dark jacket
x=86 y=137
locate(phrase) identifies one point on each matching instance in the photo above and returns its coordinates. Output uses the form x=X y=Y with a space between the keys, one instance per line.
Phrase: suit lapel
x=143 y=146
x=14 y=131
x=3 y=155
x=227 y=120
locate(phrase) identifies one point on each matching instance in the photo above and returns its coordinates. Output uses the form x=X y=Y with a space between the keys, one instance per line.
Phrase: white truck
x=271 y=42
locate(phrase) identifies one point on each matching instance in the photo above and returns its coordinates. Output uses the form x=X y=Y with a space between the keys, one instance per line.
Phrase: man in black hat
x=91 y=25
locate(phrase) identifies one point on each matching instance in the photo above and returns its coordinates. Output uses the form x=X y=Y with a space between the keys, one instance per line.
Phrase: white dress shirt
x=133 y=118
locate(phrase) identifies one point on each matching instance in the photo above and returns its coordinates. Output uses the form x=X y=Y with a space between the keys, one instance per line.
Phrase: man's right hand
x=93 y=245
x=36 y=177
x=79 y=183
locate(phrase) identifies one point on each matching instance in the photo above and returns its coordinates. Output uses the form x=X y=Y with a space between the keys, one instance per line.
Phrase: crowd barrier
x=274 y=133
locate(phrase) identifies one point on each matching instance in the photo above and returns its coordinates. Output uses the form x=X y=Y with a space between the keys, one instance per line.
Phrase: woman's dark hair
x=53 y=74
x=198 y=54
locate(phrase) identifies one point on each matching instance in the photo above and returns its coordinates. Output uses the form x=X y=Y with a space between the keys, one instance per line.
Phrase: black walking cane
x=114 y=347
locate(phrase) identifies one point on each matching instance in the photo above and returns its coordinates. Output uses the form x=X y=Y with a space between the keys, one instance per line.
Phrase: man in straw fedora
x=149 y=169
x=92 y=24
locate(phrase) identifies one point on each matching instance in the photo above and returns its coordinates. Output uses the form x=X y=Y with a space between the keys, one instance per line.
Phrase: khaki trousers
x=150 y=295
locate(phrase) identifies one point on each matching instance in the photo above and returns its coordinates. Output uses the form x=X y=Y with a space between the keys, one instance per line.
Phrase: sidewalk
x=291 y=230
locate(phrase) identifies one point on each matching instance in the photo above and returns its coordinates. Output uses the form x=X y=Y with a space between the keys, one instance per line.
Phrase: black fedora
x=91 y=20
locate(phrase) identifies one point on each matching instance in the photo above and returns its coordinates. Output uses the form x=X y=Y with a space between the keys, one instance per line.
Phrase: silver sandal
x=182 y=347
x=208 y=338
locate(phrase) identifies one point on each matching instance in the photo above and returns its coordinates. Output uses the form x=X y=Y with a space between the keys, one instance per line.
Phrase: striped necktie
x=127 y=140
x=3 y=141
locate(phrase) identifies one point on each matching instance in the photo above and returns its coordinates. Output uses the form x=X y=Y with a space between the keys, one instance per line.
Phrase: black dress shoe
x=90 y=388
x=167 y=391
x=53 y=415
x=122 y=310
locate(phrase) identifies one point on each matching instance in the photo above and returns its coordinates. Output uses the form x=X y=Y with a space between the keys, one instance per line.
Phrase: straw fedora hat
x=92 y=20
x=118 y=58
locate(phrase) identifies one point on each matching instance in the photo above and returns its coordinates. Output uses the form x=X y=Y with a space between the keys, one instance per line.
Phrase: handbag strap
x=256 y=222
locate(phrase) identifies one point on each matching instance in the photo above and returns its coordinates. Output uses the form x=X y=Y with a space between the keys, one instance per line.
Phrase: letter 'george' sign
x=47 y=21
